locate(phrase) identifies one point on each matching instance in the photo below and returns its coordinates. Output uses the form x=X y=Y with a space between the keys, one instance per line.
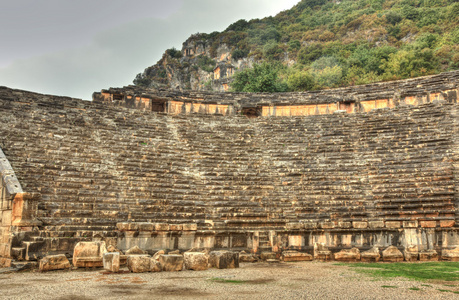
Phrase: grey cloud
x=114 y=56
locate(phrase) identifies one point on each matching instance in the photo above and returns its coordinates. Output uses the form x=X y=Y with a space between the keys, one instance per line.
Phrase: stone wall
x=387 y=176
x=355 y=99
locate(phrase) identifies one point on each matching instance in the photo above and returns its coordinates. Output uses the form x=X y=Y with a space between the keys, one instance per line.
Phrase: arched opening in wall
x=252 y=112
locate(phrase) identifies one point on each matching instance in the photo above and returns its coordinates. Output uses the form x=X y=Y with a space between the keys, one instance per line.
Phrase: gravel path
x=305 y=280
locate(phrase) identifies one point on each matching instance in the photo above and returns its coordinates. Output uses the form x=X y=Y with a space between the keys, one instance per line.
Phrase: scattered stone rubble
x=139 y=262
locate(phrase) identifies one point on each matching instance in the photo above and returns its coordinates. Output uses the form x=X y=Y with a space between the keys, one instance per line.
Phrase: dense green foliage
x=356 y=42
x=325 y=43
x=261 y=78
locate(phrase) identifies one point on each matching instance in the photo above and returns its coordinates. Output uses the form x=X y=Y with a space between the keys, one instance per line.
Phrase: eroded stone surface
x=371 y=255
x=54 y=262
x=112 y=261
x=139 y=263
x=171 y=262
x=392 y=254
x=321 y=252
x=197 y=261
x=289 y=256
x=450 y=254
x=224 y=259
x=349 y=255
x=89 y=254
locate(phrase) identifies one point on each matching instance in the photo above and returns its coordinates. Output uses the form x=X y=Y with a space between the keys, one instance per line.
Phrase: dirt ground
x=303 y=280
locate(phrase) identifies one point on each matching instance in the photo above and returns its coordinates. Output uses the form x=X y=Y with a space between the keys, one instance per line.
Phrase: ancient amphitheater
x=358 y=167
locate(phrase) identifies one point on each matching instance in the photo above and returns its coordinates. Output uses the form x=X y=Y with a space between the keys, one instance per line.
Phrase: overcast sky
x=76 y=47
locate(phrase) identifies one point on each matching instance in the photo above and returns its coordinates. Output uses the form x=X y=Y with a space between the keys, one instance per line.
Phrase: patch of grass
x=222 y=280
x=389 y=286
x=415 y=289
x=446 y=271
x=427 y=285
x=444 y=291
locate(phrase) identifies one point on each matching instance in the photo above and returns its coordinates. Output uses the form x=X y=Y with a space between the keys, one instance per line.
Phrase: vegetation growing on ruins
x=322 y=44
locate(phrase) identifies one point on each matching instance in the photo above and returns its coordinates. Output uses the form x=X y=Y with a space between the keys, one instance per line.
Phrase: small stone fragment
x=450 y=254
x=174 y=252
x=348 y=255
x=268 y=255
x=171 y=263
x=155 y=265
x=321 y=252
x=371 y=255
x=112 y=261
x=246 y=257
x=289 y=256
x=392 y=254
x=411 y=253
x=158 y=254
x=428 y=255
x=54 y=262
x=139 y=263
x=135 y=251
x=197 y=261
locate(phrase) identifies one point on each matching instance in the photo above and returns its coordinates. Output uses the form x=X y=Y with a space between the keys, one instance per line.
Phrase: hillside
x=315 y=45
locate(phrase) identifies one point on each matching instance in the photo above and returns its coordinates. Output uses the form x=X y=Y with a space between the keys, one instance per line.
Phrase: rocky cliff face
x=201 y=64
x=320 y=44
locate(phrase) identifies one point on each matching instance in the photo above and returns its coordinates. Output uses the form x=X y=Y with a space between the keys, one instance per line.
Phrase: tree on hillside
x=261 y=78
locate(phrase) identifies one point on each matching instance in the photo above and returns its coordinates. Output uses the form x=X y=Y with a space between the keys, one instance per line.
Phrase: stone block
x=428 y=224
x=89 y=254
x=197 y=261
x=447 y=223
x=371 y=255
x=171 y=263
x=124 y=226
x=428 y=255
x=139 y=263
x=161 y=227
x=410 y=224
x=289 y=256
x=175 y=227
x=376 y=224
x=294 y=226
x=321 y=252
x=393 y=224
x=190 y=227
x=359 y=225
x=224 y=259
x=326 y=225
x=310 y=225
x=411 y=253
x=135 y=251
x=146 y=226
x=348 y=255
x=112 y=261
x=345 y=225
x=54 y=262
x=450 y=254
x=392 y=254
